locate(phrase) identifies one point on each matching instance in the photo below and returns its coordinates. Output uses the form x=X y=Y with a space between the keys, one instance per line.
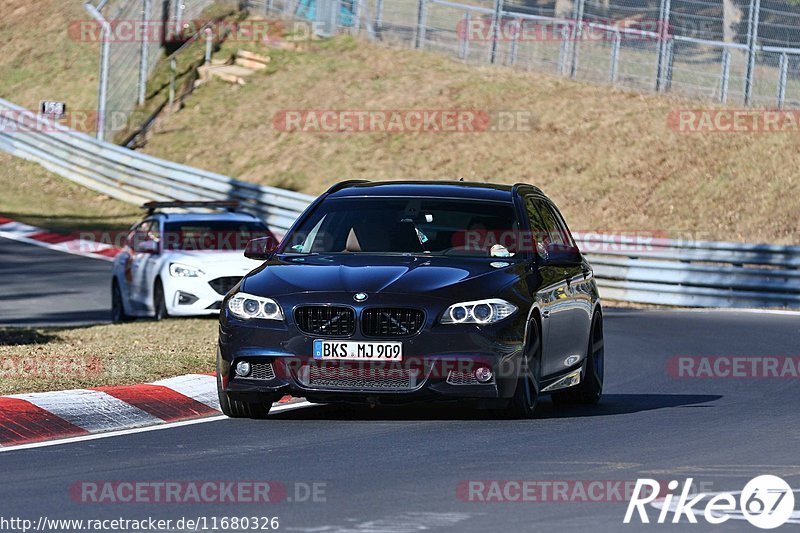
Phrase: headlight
x=478 y=312
x=179 y=270
x=247 y=306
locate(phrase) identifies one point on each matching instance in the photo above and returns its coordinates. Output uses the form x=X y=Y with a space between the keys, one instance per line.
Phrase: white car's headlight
x=179 y=270
x=247 y=306
x=478 y=312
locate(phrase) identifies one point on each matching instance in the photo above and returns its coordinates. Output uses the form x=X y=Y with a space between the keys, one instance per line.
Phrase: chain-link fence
x=731 y=51
x=134 y=35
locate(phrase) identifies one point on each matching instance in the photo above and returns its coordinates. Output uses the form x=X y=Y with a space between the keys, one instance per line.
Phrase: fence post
x=512 y=53
x=178 y=18
x=357 y=15
x=665 y=9
x=784 y=67
x=378 y=15
x=463 y=49
x=752 y=38
x=102 y=90
x=669 y=57
x=422 y=15
x=144 y=51
x=563 y=49
x=613 y=70
x=726 y=76
x=497 y=20
x=577 y=34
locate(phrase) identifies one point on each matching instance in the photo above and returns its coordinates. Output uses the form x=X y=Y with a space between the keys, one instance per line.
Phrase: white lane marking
x=91 y=410
x=72 y=250
x=199 y=387
x=20 y=229
x=123 y=432
x=401 y=523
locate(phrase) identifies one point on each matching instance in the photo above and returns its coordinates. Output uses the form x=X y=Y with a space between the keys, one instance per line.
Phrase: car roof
x=205 y=216
x=443 y=189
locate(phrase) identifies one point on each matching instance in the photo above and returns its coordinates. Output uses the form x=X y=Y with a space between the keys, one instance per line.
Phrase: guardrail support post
x=144 y=51
x=173 y=68
x=102 y=91
x=209 y=45
x=752 y=38
x=422 y=16
x=614 y=68
x=725 y=76
x=577 y=35
x=784 y=68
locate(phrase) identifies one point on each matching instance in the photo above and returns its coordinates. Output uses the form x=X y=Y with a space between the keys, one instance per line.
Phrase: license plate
x=358 y=351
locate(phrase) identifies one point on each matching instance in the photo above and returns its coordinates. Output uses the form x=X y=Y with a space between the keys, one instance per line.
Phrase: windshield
x=432 y=226
x=223 y=235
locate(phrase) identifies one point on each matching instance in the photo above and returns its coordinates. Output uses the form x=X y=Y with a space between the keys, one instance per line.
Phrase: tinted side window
x=537 y=222
x=563 y=230
x=544 y=223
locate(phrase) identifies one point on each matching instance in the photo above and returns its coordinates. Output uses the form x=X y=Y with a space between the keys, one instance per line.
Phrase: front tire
x=118 y=315
x=238 y=409
x=526 y=395
x=159 y=302
x=590 y=389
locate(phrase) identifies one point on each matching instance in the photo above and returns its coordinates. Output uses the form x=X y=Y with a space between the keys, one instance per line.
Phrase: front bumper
x=438 y=362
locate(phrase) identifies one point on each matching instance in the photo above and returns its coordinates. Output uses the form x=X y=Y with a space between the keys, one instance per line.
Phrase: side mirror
x=261 y=249
x=559 y=254
x=146 y=247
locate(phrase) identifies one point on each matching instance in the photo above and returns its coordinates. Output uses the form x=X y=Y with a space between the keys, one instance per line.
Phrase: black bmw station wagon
x=393 y=292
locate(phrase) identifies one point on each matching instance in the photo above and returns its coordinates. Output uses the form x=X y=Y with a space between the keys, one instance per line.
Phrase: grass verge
x=607 y=157
x=38 y=197
x=45 y=359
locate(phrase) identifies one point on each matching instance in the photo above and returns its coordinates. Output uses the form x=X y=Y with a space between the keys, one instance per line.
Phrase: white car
x=182 y=263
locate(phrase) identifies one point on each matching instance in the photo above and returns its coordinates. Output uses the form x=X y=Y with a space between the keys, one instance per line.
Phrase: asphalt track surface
x=45 y=287
x=391 y=470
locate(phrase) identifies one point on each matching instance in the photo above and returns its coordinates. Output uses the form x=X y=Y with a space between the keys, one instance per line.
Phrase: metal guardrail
x=658 y=271
x=132 y=176
x=695 y=273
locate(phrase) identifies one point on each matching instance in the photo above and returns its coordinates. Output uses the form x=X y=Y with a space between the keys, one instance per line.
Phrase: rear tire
x=118 y=315
x=159 y=302
x=590 y=389
x=238 y=409
x=523 y=404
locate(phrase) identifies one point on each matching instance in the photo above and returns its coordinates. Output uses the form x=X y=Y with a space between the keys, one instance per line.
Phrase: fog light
x=243 y=369
x=484 y=374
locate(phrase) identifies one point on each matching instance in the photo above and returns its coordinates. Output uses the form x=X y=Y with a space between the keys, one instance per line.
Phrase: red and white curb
x=17 y=231
x=45 y=416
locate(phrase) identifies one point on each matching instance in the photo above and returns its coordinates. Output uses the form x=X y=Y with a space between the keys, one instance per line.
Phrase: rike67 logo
x=766 y=502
